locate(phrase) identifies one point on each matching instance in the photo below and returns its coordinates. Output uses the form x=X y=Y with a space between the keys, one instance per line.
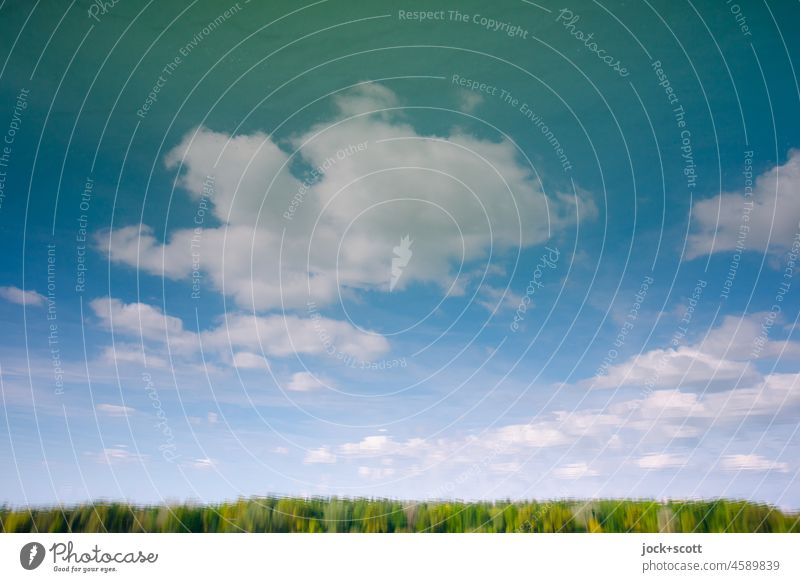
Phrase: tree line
x=334 y=514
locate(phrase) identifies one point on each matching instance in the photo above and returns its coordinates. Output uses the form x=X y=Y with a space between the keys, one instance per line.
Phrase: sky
x=518 y=250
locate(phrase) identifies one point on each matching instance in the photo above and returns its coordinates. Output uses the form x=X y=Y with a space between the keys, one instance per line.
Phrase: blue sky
x=336 y=250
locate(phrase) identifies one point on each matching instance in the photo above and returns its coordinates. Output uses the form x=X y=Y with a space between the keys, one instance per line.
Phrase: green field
x=280 y=514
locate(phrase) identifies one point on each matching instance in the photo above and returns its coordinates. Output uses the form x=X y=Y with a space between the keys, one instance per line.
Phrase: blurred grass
x=281 y=514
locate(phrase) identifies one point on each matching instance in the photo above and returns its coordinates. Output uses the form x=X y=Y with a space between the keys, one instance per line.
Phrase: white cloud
x=375 y=472
x=204 y=463
x=736 y=337
x=470 y=101
x=122 y=352
x=720 y=359
x=661 y=461
x=496 y=298
x=366 y=98
x=320 y=455
x=509 y=467
x=561 y=428
x=139 y=319
x=245 y=335
x=574 y=471
x=661 y=368
x=663 y=404
x=306 y=382
x=658 y=417
x=115 y=410
x=22 y=297
x=532 y=435
x=775 y=394
x=615 y=442
x=585 y=423
x=234 y=173
x=378 y=445
x=137 y=246
x=456 y=196
x=752 y=463
x=249 y=360
x=282 y=336
x=772 y=223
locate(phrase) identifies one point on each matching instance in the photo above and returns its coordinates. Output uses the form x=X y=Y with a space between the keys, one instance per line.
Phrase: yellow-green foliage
x=287 y=514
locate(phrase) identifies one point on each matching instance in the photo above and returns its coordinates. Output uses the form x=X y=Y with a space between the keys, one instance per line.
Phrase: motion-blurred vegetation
x=280 y=514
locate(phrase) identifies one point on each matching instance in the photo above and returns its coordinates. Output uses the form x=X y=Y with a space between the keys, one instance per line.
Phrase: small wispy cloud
x=752 y=463
x=116 y=455
x=115 y=410
x=306 y=382
x=22 y=297
x=204 y=463
x=661 y=461
x=574 y=471
x=320 y=455
x=375 y=472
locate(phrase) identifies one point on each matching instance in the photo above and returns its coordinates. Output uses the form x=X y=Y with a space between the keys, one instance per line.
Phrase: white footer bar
x=401 y=557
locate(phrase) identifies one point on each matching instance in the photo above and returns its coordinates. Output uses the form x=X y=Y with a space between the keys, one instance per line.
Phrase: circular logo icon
x=31 y=555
